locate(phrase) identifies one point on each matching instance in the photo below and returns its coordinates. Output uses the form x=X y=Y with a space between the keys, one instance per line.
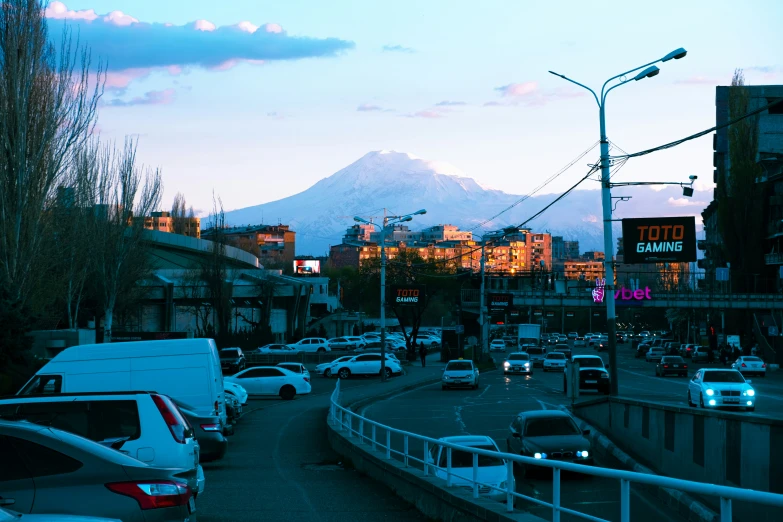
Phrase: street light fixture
x=387 y=220
x=648 y=70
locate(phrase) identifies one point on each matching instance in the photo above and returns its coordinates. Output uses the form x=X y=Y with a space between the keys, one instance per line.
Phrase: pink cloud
x=685 y=202
x=59 y=11
x=529 y=95
x=164 y=97
x=366 y=107
x=425 y=114
x=516 y=90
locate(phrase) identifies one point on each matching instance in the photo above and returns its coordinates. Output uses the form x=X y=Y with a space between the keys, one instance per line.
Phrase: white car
x=654 y=354
x=365 y=364
x=389 y=356
x=295 y=367
x=492 y=473
x=537 y=355
x=311 y=345
x=497 y=345
x=272 y=381
x=555 y=361
x=346 y=343
x=579 y=341
x=325 y=369
x=13 y=516
x=750 y=365
x=236 y=390
x=276 y=349
x=427 y=340
x=518 y=362
x=460 y=373
x=716 y=388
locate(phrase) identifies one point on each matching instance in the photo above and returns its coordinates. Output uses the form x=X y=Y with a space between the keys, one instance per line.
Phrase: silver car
x=45 y=470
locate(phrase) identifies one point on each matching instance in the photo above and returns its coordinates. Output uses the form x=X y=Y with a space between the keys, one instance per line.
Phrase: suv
x=144 y=425
x=232 y=360
x=537 y=355
x=312 y=344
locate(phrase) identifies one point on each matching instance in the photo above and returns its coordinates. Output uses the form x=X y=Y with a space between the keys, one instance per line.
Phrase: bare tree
x=181 y=215
x=126 y=194
x=47 y=111
x=214 y=269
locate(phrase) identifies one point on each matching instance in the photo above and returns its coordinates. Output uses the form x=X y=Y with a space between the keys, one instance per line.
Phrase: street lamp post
x=387 y=220
x=648 y=71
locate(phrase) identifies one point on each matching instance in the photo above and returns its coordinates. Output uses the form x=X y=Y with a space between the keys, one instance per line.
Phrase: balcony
x=775 y=258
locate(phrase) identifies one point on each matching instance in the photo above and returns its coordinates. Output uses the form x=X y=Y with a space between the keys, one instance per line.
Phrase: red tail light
x=153 y=494
x=763 y=365
x=684 y=365
x=744 y=365
x=307 y=379
x=665 y=365
x=210 y=427
x=176 y=423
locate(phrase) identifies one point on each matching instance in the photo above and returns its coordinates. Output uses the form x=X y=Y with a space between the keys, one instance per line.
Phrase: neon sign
x=598 y=291
x=622 y=294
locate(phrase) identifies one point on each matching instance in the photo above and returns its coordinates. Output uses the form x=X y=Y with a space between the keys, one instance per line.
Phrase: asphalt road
x=489 y=411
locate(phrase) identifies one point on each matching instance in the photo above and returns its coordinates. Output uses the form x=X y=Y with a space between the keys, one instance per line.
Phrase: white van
x=187 y=370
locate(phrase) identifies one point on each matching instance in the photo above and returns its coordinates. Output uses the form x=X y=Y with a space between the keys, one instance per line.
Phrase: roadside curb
x=360 y=402
x=684 y=504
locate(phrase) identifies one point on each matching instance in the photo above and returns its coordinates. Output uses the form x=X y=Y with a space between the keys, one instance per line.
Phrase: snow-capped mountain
x=403 y=183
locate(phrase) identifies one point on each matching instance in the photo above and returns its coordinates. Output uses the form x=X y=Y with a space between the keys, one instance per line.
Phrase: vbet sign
x=622 y=294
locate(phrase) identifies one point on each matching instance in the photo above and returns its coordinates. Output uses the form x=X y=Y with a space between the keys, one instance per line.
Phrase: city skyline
x=230 y=98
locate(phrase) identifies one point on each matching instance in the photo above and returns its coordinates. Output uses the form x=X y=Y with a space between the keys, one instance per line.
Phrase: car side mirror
x=585 y=432
x=516 y=434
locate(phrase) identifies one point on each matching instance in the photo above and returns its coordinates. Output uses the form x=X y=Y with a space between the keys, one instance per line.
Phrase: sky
x=256 y=100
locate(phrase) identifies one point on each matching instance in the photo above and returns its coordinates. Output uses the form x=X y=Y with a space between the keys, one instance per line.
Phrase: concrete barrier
x=715 y=447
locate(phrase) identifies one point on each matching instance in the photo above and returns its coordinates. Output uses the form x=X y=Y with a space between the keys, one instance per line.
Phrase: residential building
x=395 y=234
x=594 y=256
x=165 y=222
x=275 y=245
x=583 y=270
x=558 y=249
x=358 y=233
x=440 y=233
x=571 y=249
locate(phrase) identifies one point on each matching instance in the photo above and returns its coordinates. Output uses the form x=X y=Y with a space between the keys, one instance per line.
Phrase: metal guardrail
x=345 y=419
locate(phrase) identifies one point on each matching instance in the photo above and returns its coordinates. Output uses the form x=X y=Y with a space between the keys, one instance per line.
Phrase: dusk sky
x=257 y=100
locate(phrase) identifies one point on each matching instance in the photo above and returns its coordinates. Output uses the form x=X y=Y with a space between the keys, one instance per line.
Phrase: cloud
x=398 y=49
x=164 y=97
x=590 y=218
x=366 y=107
x=516 y=90
x=428 y=113
x=685 y=202
x=447 y=103
x=699 y=80
x=528 y=94
x=767 y=69
x=133 y=49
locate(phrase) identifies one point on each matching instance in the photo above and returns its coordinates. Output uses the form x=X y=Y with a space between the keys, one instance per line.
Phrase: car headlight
x=710 y=392
x=582 y=454
x=604 y=375
x=750 y=393
x=446 y=377
x=506 y=364
x=527 y=365
x=539 y=455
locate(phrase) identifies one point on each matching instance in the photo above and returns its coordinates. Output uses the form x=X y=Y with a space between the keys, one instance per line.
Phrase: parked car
x=54 y=471
x=232 y=360
x=549 y=434
x=717 y=388
x=555 y=361
x=311 y=345
x=185 y=369
x=346 y=343
x=208 y=432
x=460 y=374
x=235 y=390
x=537 y=355
x=272 y=381
x=700 y=353
x=518 y=362
x=592 y=374
x=750 y=365
x=497 y=345
x=325 y=369
x=144 y=425
x=491 y=470
x=427 y=340
x=13 y=516
x=295 y=367
x=671 y=364
x=365 y=364
x=276 y=349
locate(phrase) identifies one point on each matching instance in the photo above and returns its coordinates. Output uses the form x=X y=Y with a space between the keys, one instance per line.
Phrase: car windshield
x=459 y=366
x=463 y=459
x=723 y=376
x=535 y=351
x=551 y=426
x=672 y=360
x=556 y=355
x=229 y=354
x=518 y=357
x=590 y=362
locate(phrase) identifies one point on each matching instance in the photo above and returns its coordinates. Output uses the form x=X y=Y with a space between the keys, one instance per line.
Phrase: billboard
x=500 y=301
x=307 y=266
x=659 y=240
x=407 y=295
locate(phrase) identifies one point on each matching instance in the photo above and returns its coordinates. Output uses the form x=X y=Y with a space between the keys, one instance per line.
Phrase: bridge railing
x=354 y=425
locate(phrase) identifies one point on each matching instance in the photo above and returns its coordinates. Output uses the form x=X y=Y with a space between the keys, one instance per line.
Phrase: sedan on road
x=460 y=373
x=518 y=362
x=555 y=361
x=365 y=364
x=592 y=374
x=549 y=434
x=750 y=365
x=491 y=470
x=579 y=341
x=497 y=345
x=712 y=387
x=671 y=364
x=325 y=369
x=654 y=354
x=276 y=349
x=537 y=355
x=272 y=381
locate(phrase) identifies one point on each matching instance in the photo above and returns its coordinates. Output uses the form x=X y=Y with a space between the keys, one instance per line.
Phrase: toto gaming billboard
x=659 y=240
x=500 y=301
x=407 y=295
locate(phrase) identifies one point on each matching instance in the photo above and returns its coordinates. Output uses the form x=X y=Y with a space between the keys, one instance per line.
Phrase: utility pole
x=383 y=298
x=482 y=305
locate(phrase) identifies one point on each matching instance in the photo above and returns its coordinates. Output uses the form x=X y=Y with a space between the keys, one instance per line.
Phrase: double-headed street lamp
x=387 y=221
x=647 y=71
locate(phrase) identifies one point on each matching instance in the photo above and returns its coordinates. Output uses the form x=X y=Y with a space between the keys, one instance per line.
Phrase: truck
x=528 y=336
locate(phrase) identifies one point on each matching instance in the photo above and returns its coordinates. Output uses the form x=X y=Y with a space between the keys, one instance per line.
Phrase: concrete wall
x=715 y=447
x=48 y=343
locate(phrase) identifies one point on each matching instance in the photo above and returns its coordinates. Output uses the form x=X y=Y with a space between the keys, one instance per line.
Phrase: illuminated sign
x=625 y=294
x=408 y=295
x=307 y=266
x=501 y=301
x=658 y=240
x=598 y=291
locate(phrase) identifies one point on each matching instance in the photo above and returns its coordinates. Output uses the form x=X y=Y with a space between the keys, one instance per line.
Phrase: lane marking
x=458 y=414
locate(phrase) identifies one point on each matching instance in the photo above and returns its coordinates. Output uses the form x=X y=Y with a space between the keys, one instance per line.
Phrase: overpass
x=584 y=299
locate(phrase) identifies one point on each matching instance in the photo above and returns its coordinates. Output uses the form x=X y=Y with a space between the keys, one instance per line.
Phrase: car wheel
x=328 y=373
x=287 y=392
x=321 y=350
x=344 y=373
x=387 y=372
x=701 y=400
